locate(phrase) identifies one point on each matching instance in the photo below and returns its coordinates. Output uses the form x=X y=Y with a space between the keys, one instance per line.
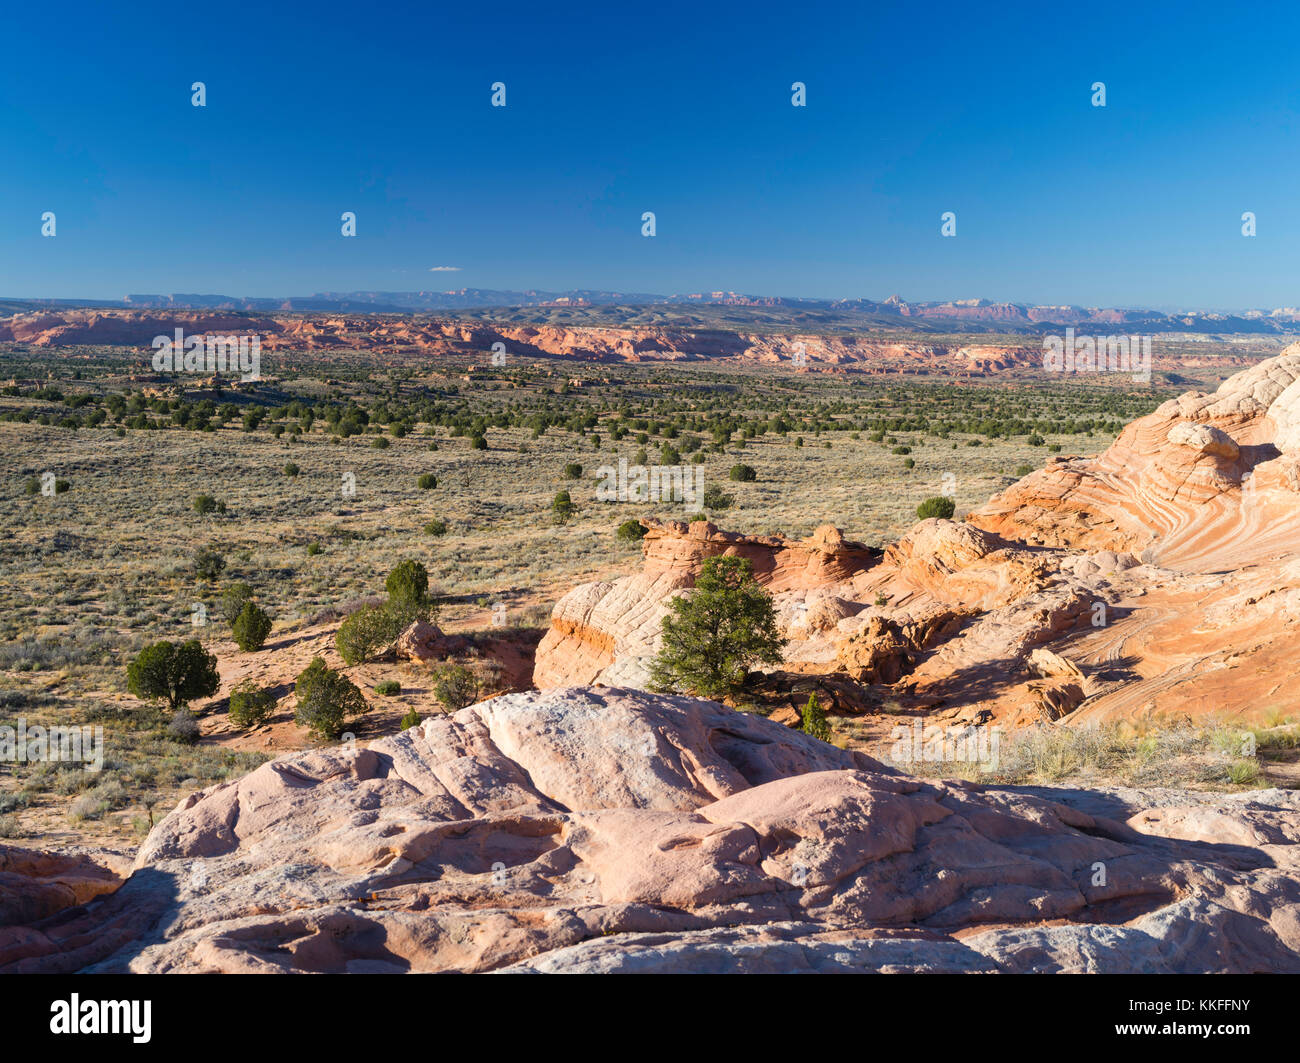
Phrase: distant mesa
x=962 y=315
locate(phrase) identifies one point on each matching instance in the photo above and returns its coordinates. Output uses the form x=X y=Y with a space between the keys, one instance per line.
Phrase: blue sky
x=684 y=110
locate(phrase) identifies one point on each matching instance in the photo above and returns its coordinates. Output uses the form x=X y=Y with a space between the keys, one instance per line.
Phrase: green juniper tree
x=814 y=719
x=174 y=673
x=327 y=700
x=716 y=631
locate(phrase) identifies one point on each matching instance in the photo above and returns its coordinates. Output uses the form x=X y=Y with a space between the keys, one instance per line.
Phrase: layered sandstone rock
x=606 y=632
x=133 y=328
x=333 y=331
x=1167 y=569
x=36 y=884
x=1205 y=481
x=952 y=593
x=583 y=830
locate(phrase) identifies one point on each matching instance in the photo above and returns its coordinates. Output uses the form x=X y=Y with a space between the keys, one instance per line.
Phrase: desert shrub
x=715 y=498
x=381 y=443
x=715 y=631
x=233 y=599
x=13 y=802
x=427 y=481
x=1024 y=470
x=313 y=549
x=367 y=632
x=939 y=506
x=573 y=471
x=901 y=450
x=175 y=674
x=1035 y=440
x=909 y=463
x=291 y=469
x=93 y=804
x=436 y=527
x=563 y=508
x=408 y=585
x=208 y=564
x=814 y=719
x=478 y=443
x=743 y=473
x=70 y=782
x=455 y=686
x=184 y=728
x=251 y=627
x=204 y=504
x=388 y=687
x=409 y=720
x=327 y=700
x=250 y=705
x=631 y=531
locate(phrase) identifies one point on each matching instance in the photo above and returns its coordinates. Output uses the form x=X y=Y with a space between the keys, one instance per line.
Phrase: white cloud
x=444 y=269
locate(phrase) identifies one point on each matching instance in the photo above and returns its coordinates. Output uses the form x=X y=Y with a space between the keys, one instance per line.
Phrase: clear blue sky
x=383 y=109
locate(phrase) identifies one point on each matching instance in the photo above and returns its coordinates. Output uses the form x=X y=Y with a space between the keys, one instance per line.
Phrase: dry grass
x=1213 y=754
x=92 y=575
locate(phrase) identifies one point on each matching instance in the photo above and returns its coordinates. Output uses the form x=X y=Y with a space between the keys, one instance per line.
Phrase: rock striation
x=1165 y=572
x=607 y=830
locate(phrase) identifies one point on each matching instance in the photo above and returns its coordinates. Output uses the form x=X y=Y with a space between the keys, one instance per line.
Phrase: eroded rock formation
x=1166 y=570
x=610 y=830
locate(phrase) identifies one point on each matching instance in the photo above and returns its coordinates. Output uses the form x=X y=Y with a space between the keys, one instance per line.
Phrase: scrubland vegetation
x=135 y=511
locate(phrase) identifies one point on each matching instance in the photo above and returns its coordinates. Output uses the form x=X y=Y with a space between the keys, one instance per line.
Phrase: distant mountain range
x=964 y=315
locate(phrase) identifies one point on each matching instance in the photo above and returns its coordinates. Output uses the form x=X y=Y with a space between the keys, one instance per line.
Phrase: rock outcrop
x=1166 y=570
x=36 y=884
x=946 y=587
x=606 y=632
x=609 y=830
x=334 y=331
x=1204 y=482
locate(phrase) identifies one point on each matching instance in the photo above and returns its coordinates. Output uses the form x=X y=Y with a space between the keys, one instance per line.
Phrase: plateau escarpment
x=421 y=335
